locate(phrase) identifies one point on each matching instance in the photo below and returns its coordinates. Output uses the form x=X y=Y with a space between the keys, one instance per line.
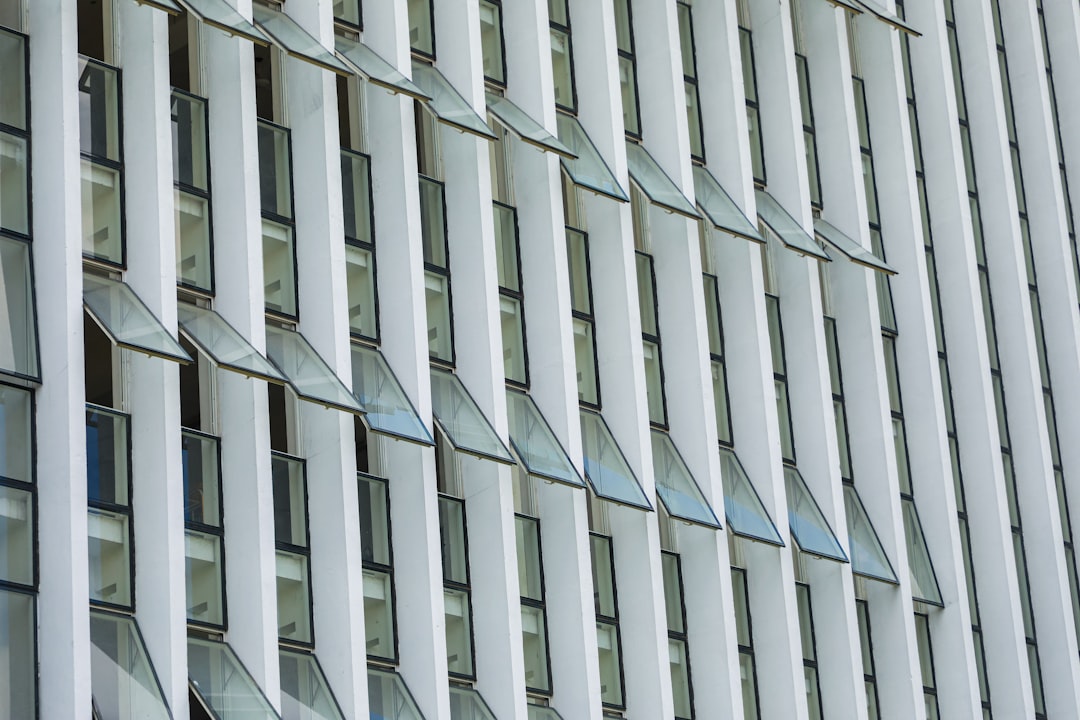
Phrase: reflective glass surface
x=223 y=683
x=189 y=141
x=102 y=233
x=675 y=485
x=589 y=169
x=924 y=585
x=458 y=620
x=122 y=679
x=293 y=597
x=127 y=321
x=356 y=196
x=655 y=183
x=606 y=469
x=205 y=580
x=275 y=170
x=18 y=686
x=562 y=69
x=99 y=110
x=535 y=443
x=305 y=693
x=745 y=514
x=849 y=247
x=387 y=408
x=534 y=648
x=293 y=39
x=14 y=179
x=462 y=420
x=491 y=41
x=786 y=227
x=389 y=698
x=16 y=426
x=109 y=554
x=16 y=536
x=279 y=268
x=607 y=645
x=521 y=124
x=808 y=525
x=377 y=70
x=224 y=345
x=222 y=15
x=379 y=615
x=720 y=208
x=466 y=704
x=868 y=558
x=421 y=27
x=107 y=455
x=882 y=13
x=194 y=262
x=360 y=278
x=446 y=102
x=308 y=374
x=18 y=319
x=13 y=79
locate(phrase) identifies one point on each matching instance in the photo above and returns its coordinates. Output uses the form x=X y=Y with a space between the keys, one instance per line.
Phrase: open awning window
x=850 y=248
x=224 y=345
x=521 y=124
x=589 y=169
x=446 y=102
x=746 y=515
x=881 y=13
x=375 y=69
x=808 y=525
x=675 y=485
x=787 y=228
x=220 y=682
x=308 y=374
x=543 y=712
x=167 y=5
x=606 y=469
x=389 y=697
x=924 y=584
x=18 y=315
x=387 y=409
x=127 y=321
x=848 y=5
x=535 y=443
x=720 y=208
x=122 y=680
x=462 y=420
x=655 y=183
x=223 y=16
x=287 y=34
x=466 y=702
x=868 y=557
x=304 y=689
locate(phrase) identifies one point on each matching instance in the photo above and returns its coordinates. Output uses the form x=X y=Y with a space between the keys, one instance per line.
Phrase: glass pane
x=787 y=228
x=194 y=261
x=360 y=277
x=446 y=102
x=387 y=408
x=588 y=382
x=293 y=597
x=680 y=678
x=535 y=443
x=783 y=413
x=122 y=679
x=458 y=632
x=926 y=654
x=749 y=686
x=530 y=574
x=745 y=513
x=379 y=615
x=924 y=586
x=491 y=41
x=275 y=170
x=589 y=169
x=462 y=421
x=307 y=373
x=389 y=698
x=455 y=558
x=850 y=247
x=673 y=600
x=107 y=452
x=742 y=607
x=18 y=322
x=14 y=179
x=879 y=10
x=676 y=487
x=290 y=501
x=628 y=86
x=720 y=402
x=15 y=434
x=808 y=525
x=127 y=321
x=654 y=384
x=562 y=69
x=868 y=557
x=13 y=80
x=655 y=183
x=534 y=646
x=101 y=227
x=356 y=196
x=606 y=468
x=433 y=223
x=305 y=693
x=202 y=477
x=607 y=643
x=757 y=146
x=693 y=119
x=543 y=712
x=513 y=339
x=421 y=30
x=603 y=575
x=108 y=550
x=720 y=208
x=224 y=345
x=646 y=294
x=205 y=579
x=375 y=68
x=521 y=124
x=374 y=498
x=467 y=704
x=223 y=683
x=189 y=141
x=348 y=11
x=99 y=110
x=18 y=686
x=16 y=536
x=506 y=247
x=220 y=14
x=293 y=39
x=439 y=328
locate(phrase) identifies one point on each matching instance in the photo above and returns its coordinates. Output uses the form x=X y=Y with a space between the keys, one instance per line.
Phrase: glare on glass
x=223 y=344
x=462 y=420
x=467 y=704
x=360 y=278
x=746 y=515
x=606 y=468
x=122 y=678
x=18 y=630
x=850 y=247
x=379 y=614
x=377 y=70
x=720 y=209
x=924 y=585
x=535 y=443
x=387 y=408
x=222 y=15
x=787 y=228
x=589 y=169
x=194 y=263
x=18 y=319
x=287 y=34
x=389 y=697
x=521 y=124
x=127 y=321
x=14 y=181
x=204 y=578
x=676 y=487
x=655 y=183
x=223 y=683
x=446 y=102
x=868 y=557
x=308 y=374
x=304 y=690
x=15 y=434
x=808 y=525
x=102 y=235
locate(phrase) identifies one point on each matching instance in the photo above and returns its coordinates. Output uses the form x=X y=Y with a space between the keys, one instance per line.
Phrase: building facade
x=537 y=359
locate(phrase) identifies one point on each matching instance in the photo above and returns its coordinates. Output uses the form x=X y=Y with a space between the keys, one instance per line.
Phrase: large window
x=289 y=475
x=533 y=607
x=191 y=177
x=562 y=57
x=608 y=641
x=379 y=618
x=584 y=324
x=678 y=648
x=744 y=633
x=102 y=162
x=809 y=652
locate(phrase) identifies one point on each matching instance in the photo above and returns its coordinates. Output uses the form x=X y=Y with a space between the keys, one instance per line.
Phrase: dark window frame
x=304 y=551
x=755 y=106
x=589 y=318
x=216 y=530
x=498 y=83
x=519 y=296
x=782 y=375
x=655 y=340
x=566 y=30
x=368 y=247
x=802 y=63
x=609 y=620
x=692 y=79
x=30 y=487
x=206 y=195
x=434 y=42
x=127 y=510
x=683 y=636
x=24 y=134
x=631 y=55
x=540 y=605
x=748 y=650
x=708 y=279
x=465 y=587
x=110 y=164
x=386 y=569
x=289 y=222
x=444 y=272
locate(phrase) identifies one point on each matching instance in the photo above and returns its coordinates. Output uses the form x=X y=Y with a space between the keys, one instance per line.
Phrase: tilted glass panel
x=222 y=15
x=446 y=102
x=14 y=178
x=389 y=698
x=655 y=183
x=808 y=525
x=542 y=712
x=868 y=557
x=589 y=169
x=18 y=686
x=850 y=248
x=787 y=228
x=535 y=443
x=720 y=209
x=518 y=122
x=387 y=408
x=606 y=469
x=848 y=5
x=127 y=321
x=287 y=34
x=307 y=373
x=924 y=585
x=305 y=693
x=223 y=344
x=466 y=704
x=879 y=11
x=462 y=420
x=377 y=70
x=223 y=683
x=18 y=318
x=122 y=679
x=745 y=513
x=676 y=487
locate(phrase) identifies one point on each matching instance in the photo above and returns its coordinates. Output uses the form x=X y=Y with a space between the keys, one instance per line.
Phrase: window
x=650 y=339
x=491 y=41
x=293 y=551
x=360 y=265
x=607 y=621
x=678 y=648
x=348 y=12
x=809 y=651
x=102 y=168
x=533 y=605
x=809 y=135
x=624 y=36
x=743 y=630
x=422 y=27
x=191 y=178
x=716 y=360
x=690 y=80
x=862 y=611
x=926 y=664
x=108 y=490
x=588 y=378
x=278 y=226
x=562 y=57
x=753 y=121
x=783 y=406
x=379 y=617
x=457 y=597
